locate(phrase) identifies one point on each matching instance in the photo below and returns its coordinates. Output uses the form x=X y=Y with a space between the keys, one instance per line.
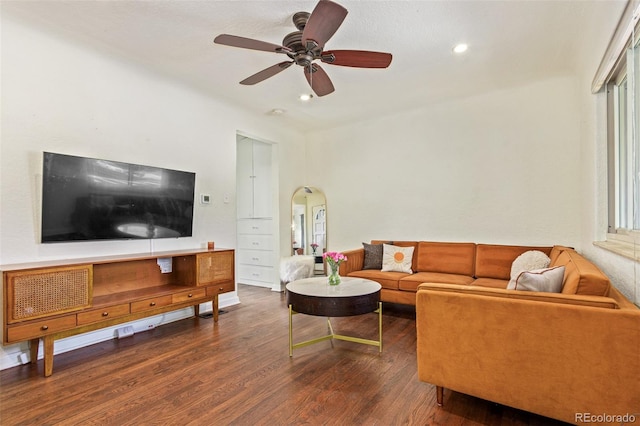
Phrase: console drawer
x=103 y=314
x=35 y=329
x=220 y=288
x=151 y=303
x=194 y=294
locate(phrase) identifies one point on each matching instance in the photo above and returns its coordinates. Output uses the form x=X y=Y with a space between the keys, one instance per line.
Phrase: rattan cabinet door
x=215 y=267
x=38 y=293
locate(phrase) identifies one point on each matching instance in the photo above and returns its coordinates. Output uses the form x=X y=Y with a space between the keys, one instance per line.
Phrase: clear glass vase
x=334 y=278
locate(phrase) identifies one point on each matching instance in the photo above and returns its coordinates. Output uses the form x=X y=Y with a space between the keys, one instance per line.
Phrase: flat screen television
x=92 y=199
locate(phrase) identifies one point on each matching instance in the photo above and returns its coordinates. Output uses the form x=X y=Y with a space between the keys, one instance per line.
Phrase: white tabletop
x=319 y=287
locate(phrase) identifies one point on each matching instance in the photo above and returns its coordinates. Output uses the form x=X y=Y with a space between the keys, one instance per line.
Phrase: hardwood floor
x=238 y=372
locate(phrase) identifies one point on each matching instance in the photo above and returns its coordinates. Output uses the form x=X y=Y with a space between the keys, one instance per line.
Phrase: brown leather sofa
x=572 y=356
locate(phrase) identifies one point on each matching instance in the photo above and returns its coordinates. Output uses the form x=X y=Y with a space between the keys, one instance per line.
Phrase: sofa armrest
x=354 y=262
x=534 y=352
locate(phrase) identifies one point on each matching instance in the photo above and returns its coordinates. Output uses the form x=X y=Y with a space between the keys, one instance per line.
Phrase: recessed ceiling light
x=277 y=111
x=460 y=48
x=306 y=97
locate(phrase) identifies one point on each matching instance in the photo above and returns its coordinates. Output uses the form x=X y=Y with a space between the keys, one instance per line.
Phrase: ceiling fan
x=307 y=45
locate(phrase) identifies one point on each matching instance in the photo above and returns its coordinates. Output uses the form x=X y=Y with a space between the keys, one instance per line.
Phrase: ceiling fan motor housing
x=300 y=19
x=299 y=53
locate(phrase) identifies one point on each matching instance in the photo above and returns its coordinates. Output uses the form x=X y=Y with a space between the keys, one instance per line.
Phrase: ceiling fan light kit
x=306 y=45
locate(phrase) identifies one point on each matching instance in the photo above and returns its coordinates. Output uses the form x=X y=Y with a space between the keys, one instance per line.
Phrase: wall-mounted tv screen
x=92 y=199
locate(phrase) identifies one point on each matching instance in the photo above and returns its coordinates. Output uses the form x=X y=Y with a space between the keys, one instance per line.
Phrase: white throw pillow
x=547 y=279
x=397 y=259
x=527 y=261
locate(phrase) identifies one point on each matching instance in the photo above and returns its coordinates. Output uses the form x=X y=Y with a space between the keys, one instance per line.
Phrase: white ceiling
x=510 y=42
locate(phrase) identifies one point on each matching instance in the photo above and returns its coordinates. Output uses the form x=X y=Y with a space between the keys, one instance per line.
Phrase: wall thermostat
x=205 y=198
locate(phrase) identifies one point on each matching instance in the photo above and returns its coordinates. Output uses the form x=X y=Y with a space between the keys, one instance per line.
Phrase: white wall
x=496 y=168
x=60 y=96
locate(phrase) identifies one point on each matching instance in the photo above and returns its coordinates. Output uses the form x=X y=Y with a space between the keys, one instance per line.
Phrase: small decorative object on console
x=334 y=259
x=314 y=246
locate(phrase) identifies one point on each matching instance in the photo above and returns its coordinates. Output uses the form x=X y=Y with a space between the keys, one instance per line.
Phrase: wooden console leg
x=48 y=355
x=34 y=345
x=439 y=395
x=196 y=310
x=215 y=308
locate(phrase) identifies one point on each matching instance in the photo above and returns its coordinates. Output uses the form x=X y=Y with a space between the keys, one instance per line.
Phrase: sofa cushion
x=411 y=282
x=396 y=259
x=447 y=258
x=495 y=261
x=388 y=280
x=581 y=276
x=546 y=279
x=555 y=252
x=528 y=261
x=490 y=283
x=372 y=256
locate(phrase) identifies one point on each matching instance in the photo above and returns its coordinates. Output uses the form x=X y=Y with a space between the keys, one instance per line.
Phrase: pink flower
x=334 y=257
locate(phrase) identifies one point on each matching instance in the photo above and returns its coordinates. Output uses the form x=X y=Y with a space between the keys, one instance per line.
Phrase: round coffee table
x=314 y=296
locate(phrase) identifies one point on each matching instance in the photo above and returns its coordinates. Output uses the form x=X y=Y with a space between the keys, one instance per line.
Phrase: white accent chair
x=296 y=268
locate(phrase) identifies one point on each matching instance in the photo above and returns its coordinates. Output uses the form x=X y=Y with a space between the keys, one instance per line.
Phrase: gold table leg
x=333 y=335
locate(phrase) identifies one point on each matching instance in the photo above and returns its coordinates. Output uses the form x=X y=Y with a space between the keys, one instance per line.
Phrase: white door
x=319 y=225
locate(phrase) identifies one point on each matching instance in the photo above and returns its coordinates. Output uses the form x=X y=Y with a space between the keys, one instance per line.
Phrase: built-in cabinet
x=52 y=300
x=256 y=243
x=254 y=179
x=256 y=255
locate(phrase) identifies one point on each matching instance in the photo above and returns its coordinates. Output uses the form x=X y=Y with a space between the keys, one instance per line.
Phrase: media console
x=55 y=299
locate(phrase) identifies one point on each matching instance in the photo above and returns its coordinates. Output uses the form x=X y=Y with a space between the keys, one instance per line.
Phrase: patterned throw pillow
x=372 y=256
x=397 y=259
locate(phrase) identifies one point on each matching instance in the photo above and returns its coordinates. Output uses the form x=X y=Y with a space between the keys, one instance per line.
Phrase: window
x=624 y=144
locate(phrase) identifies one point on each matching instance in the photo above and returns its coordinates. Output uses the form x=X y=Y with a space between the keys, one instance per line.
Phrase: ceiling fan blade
x=249 y=43
x=266 y=73
x=318 y=80
x=357 y=58
x=323 y=22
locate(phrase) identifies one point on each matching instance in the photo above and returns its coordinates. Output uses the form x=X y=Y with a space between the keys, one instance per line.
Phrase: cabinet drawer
x=255 y=242
x=194 y=294
x=255 y=257
x=34 y=329
x=255 y=226
x=151 y=303
x=256 y=273
x=220 y=288
x=103 y=314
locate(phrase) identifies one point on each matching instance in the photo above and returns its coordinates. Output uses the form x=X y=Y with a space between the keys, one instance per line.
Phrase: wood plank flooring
x=238 y=372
